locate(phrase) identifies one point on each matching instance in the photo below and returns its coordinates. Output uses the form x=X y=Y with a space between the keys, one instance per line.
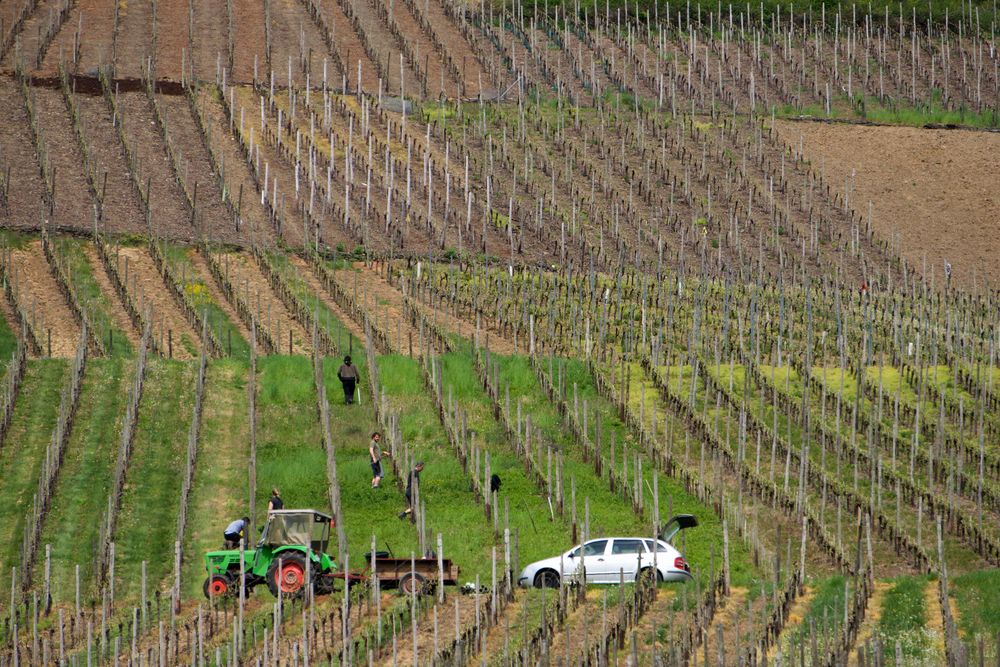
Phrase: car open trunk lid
x=675 y=525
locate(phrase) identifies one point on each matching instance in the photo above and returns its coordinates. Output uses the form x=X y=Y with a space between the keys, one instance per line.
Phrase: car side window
x=627 y=547
x=595 y=548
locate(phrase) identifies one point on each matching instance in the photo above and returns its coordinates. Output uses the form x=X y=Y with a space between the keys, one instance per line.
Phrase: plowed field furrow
x=33 y=33
x=211 y=39
x=254 y=290
x=248 y=38
x=173 y=36
x=314 y=284
x=458 y=47
x=429 y=631
x=171 y=217
x=45 y=304
x=148 y=292
x=135 y=39
x=195 y=167
x=295 y=40
x=255 y=225
x=439 y=80
x=123 y=211
x=74 y=201
x=25 y=206
x=119 y=317
x=385 y=46
x=95 y=20
x=349 y=48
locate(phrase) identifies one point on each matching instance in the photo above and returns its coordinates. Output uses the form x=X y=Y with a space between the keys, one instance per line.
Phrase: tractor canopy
x=306 y=528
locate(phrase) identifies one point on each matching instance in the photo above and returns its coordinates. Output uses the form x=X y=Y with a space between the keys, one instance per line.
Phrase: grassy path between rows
x=81 y=493
x=147 y=525
x=221 y=480
x=23 y=451
x=452 y=508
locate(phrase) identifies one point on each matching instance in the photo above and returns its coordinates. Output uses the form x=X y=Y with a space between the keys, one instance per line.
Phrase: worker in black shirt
x=275 y=503
x=412 y=480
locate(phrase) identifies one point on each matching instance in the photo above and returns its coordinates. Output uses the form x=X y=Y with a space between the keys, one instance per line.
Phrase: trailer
x=417 y=575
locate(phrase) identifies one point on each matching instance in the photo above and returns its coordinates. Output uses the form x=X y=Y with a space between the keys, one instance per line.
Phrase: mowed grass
x=367 y=511
x=452 y=508
x=8 y=342
x=81 y=493
x=147 y=524
x=540 y=532
x=93 y=301
x=221 y=487
x=977 y=596
x=289 y=441
x=23 y=451
x=904 y=619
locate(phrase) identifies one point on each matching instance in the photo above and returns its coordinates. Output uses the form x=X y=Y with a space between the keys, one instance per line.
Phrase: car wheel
x=647 y=574
x=547 y=579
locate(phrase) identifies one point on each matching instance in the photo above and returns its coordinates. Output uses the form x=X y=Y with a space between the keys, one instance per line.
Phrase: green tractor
x=291 y=548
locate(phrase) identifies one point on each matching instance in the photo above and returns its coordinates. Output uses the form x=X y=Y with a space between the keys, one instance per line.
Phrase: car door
x=594 y=560
x=624 y=558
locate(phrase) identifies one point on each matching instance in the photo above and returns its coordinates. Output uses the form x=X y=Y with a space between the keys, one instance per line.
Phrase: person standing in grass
x=348 y=374
x=375 y=453
x=412 y=482
x=275 y=503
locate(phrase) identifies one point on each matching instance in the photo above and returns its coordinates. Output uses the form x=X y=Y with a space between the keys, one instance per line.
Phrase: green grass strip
x=977 y=595
x=92 y=299
x=221 y=479
x=289 y=441
x=452 y=509
x=23 y=451
x=81 y=493
x=147 y=524
x=367 y=511
x=904 y=618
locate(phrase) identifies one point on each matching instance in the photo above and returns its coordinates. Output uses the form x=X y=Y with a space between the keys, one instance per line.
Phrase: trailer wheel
x=412 y=583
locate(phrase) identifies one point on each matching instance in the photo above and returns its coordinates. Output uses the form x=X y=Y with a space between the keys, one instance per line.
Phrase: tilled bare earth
x=936 y=189
x=74 y=203
x=384 y=305
x=41 y=299
x=427 y=631
x=315 y=284
x=148 y=291
x=254 y=289
x=25 y=205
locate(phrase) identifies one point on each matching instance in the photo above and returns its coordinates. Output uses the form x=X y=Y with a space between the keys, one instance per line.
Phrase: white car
x=605 y=560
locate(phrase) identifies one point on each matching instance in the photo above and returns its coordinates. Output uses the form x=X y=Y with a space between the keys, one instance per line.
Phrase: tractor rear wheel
x=217 y=586
x=287 y=575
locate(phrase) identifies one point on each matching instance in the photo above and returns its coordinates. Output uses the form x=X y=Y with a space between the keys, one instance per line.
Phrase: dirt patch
x=201 y=266
x=935 y=190
x=118 y=315
x=314 y=284
x=253 y=288
x=427 y=631
x=148 y=291
x=578 y=631
x=795 y=617
x=26 y=193
x=73 y=200
x=47 y=309
x=872 y=616
x=384 y=304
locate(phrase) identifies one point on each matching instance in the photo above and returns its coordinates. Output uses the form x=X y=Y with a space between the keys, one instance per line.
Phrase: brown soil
x=350 y=50
x=426 y=55
x=135 y=37
x=44 y=303
x=201 y=266
x=149 y=291
x=800 y=607
x=936 y=189
x=31 y=32
x=253 y=288
x=119 y=317
x=25 y=206
x=384 y=304
x=210 y=38
x=733 y=618
x=172 y=28
x=459 y=48
x=96 y=19
x=171 y=218
x=872 y=616
x=655 y=626
x=425 y=631
x=314 y=283
x=123 y=212
x=384 y=45
x=255 y=225
x=74 y=202
x=248 y=38
x=195 y=167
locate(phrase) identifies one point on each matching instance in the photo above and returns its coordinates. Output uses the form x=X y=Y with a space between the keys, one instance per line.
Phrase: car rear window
x=660 y=547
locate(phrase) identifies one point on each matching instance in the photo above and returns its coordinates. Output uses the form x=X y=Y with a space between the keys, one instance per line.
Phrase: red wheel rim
x=218 y=587
x=290 y=577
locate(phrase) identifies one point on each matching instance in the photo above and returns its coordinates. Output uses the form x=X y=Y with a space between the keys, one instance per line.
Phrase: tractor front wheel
x=217 y=586
x=287 y=575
